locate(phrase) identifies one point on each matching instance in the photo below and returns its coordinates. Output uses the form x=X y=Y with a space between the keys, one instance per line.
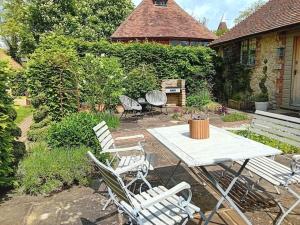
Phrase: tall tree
x=249 y=11
x=24 y=22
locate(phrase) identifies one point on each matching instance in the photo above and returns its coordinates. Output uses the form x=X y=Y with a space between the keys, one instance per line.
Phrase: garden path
x=25 y=126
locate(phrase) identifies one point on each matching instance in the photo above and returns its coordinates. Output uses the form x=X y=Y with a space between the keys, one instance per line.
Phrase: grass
x=234 y=117
x=22 y=113
x=286 y=148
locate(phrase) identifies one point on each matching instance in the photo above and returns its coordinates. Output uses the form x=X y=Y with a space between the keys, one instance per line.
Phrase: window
x=182 y=43
x=248 y=50
x=161 y=2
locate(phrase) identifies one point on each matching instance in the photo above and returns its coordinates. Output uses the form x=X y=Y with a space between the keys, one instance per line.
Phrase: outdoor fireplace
x=175 y=90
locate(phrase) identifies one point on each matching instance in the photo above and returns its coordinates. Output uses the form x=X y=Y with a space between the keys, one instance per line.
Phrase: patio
x=83 y=205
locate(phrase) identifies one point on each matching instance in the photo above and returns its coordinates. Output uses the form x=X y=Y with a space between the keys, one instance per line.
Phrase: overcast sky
x=213 y=9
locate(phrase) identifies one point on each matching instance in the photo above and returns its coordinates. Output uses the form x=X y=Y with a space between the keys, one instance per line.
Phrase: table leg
x=171 y=177
x=225 y=193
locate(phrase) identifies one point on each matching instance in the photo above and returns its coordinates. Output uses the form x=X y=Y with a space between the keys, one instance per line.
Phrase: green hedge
x=194 y=64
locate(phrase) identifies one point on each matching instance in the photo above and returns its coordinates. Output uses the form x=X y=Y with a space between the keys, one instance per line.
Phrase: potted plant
x=199 y=126
x=262 y=99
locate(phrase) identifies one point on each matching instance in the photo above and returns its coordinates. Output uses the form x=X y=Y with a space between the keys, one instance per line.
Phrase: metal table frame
x=224 y=193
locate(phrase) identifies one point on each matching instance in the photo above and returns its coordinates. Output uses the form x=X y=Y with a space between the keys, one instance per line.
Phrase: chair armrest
x=129 y=168
x=140 y=136
x=115 y=150
x=295 y=164
x=163 y=196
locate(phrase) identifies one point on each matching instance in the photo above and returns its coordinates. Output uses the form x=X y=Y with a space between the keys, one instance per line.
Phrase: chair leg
x=106 y=204
x=291 y=208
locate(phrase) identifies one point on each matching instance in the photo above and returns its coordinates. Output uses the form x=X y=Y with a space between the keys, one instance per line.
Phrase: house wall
x=267 y=46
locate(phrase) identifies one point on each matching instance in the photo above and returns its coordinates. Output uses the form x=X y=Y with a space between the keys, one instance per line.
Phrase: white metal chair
x=129 y=105
x=138 y=164
x=157 y=99
x=158 y=205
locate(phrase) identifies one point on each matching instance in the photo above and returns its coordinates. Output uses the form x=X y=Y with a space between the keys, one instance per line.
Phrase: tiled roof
x=171 y=21
x=273 y=15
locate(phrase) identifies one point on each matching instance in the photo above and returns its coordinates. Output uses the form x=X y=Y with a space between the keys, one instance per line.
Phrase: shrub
x=40 y=114
x=38 y=134
x=195 y=64
x=53 y=80
x=18 y=83
x=77 y=129
x=8 y=130
x=44 y=171
x=140 y=81
x=286 y=148
x=200 y=98
x=46 y=122
x=102 y=80
x=234 y=117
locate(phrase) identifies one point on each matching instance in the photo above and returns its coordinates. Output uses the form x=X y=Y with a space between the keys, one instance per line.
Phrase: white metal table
x=221 y=147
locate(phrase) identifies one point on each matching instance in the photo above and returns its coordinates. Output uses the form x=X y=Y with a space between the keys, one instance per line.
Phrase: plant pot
x=119 y=109
x=199 y=129
x=262 y=106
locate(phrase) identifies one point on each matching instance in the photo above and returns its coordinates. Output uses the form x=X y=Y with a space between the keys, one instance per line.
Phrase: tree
x=102 y=80
x=249 y=11
x=26 y=21
x=8 y=130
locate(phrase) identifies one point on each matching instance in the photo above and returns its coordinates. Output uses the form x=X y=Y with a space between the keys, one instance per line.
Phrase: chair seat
x=128 y=160
x=165 y=213
x=272 y=171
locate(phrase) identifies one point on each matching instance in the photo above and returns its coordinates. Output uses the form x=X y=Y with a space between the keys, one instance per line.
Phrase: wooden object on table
x=199 y=129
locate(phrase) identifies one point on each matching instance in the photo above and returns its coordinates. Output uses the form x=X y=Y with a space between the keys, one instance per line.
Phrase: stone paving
x=82 y=205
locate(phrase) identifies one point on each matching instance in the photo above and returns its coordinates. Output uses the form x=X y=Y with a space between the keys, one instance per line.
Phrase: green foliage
x=46 y=171
x=22 y=113
x=26 y=21
x=286 y=148
x=40 y=114
x=234 y=117
x=141 y=80
x=77 y=129
x=250 y=10
x=8 y=130
x=53 y=80
x=195 y=64
x=102 y=80
x=45 y=122
x=200 y=98
x=38 y=134
x=263 y=96
x=18 y=83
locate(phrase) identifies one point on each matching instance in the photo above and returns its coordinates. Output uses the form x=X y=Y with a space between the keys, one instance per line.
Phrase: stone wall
x=267 y=46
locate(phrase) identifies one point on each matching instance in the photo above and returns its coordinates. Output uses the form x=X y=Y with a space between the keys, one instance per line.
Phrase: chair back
x=129 y=103
x=156 y=98
x=104 y=136
x=112 y=180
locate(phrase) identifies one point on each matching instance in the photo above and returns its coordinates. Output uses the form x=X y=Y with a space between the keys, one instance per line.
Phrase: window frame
x=248 y=52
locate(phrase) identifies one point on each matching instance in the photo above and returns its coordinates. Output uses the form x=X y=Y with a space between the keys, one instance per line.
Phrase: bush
x=18 y=84
x=102 y=80
x=53 y=79
x=286 y=148
x=200 y=98
x=140 y=81
x=38 y=134
x=195 y=64
x=46 y=122
x=44 y=171
x=40 y=114
x=77 y=129
x=234 y=117
x=8 y=130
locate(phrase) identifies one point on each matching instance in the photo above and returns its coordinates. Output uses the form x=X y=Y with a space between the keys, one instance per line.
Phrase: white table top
x=222 y=146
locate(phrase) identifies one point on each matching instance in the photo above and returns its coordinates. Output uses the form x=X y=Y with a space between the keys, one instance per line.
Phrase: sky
x=213 y=10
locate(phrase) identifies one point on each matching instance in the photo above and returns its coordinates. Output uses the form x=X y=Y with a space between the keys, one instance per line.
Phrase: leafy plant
x=53 y=80
x=200 y=98
x=263 y=96
x=140 y=80
x=77 y=130
x=18 y=83
x=46 y=171
x=234 y=117
x=8 y=130
x=38 y=134
x=102 y=80
x=286 y=148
